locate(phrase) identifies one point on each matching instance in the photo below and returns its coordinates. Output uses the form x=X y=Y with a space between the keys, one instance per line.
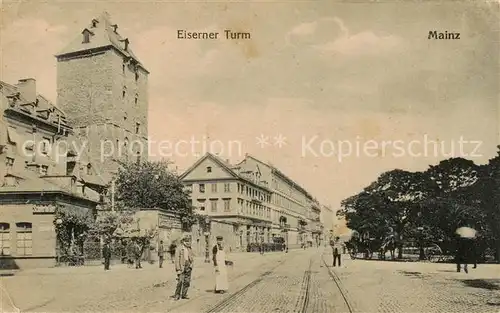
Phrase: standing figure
x=337 y=248
x=262 y=247
x=183 y=261
x=106 y=253
x=161 y=253
x=138 y=254
x=219 y=258
x=464 y=254
x=171 y=249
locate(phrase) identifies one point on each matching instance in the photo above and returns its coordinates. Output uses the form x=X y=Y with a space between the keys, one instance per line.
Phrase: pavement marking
x=7 y=305
x=337 y=281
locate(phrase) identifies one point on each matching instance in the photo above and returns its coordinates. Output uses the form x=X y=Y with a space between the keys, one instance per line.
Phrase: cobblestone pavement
x=91 y=289
x=374 y=286
x=276 y=282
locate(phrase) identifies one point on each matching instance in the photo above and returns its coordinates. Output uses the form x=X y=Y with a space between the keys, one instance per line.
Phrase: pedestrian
x=171 y=249
x=161 y=253
x=106 y=253
x=219 y=259
x=337 y=248
x=183 y=261
x=138 y=254
x=262 y=248
x=464 y=254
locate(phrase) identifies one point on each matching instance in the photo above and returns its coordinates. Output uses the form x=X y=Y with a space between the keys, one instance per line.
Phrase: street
x=299 y=281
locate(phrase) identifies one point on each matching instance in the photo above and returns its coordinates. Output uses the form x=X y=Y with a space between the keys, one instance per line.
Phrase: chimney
x=27 y=89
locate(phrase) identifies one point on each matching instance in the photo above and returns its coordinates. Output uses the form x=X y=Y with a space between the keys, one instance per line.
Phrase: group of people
x=184 y=259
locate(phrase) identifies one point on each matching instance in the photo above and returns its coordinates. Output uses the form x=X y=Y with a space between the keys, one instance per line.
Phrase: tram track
x=301 y=305
x=238 y=294
x=337 y=281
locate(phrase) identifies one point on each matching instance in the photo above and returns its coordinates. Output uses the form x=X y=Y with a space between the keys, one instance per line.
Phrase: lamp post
x=207 y=237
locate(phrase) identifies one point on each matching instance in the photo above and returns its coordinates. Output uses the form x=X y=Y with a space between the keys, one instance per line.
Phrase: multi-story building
x=225 y=194
x=289 y=206
x=41 y=170
x=315 y=225
x=103 y=88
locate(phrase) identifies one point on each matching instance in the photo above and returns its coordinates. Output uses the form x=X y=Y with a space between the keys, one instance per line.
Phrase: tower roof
x=102 y=33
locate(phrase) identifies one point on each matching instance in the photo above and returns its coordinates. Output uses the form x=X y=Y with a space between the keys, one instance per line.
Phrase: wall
x=43 y=235
x=85 y=86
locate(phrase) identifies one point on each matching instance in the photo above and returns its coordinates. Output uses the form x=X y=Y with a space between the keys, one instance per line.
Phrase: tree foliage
x=151 y=184
x=430 y=205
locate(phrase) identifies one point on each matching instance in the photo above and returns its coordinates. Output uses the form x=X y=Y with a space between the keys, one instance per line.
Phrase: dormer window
x=44 y=169
x=125 y=44
x=209 y=169
x=115 y=27
x=86 y=35
x=94 y=23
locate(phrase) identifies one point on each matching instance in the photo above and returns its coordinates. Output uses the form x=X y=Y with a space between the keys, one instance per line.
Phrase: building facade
x=40 y=174
x=292 y=206
x=103 y=88
x=238 y=201
x=260 y=201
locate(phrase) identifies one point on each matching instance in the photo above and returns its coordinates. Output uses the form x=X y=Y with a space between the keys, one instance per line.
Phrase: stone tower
x=103 y=89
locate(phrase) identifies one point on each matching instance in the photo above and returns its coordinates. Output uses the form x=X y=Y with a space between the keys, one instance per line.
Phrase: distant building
x=328 y=221
x=258 y=199
x=103 y=88
x=40 y=171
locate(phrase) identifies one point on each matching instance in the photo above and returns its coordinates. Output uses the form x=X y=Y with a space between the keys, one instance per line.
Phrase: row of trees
x=429 y=206
x=149 y=184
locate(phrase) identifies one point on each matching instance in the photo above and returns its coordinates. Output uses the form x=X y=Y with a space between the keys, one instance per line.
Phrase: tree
x=391 y=202
x=151 y=184
x=72 y=228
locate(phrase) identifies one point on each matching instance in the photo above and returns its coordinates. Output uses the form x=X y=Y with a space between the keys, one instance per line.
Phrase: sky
x=321 y=75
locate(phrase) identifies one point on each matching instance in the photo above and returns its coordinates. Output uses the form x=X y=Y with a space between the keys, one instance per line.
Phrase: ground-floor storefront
x=29 y=225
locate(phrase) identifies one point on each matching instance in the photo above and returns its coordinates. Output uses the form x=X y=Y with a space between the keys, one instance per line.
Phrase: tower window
x=86 y=37
x=209 y=169
x=124 y=93
x=137 y=126
x=136 y=75
x=123 y=68
x=89 y=169
x=136 y=99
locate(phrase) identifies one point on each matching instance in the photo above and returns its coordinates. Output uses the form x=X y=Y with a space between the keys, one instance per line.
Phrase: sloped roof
x=42 y=103
x=280 y=173
x=219 y=161
x=225 y=165
x=102 y=35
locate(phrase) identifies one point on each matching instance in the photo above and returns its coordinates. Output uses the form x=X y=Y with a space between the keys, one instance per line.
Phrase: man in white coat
x=219 y=258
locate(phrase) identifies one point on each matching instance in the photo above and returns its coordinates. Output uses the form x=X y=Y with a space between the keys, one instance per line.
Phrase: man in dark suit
x=106 y=253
